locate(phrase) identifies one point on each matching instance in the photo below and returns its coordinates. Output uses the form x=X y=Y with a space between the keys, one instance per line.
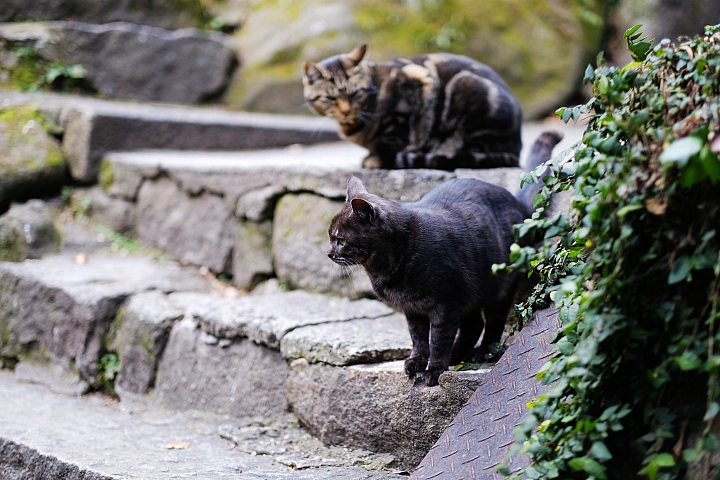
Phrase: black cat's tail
x=540 y=153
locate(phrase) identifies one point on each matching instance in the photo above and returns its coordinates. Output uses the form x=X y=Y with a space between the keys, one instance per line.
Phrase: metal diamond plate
x=480 y=436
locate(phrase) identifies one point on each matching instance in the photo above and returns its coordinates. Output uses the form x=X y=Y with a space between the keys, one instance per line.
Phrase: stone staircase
x=223 y=312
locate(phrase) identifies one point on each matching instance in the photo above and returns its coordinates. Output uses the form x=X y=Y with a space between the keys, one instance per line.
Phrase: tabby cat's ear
x=314 y=72
x=363 y=208
x=353 y=59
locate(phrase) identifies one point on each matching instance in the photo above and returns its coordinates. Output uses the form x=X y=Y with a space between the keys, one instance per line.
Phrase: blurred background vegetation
x=540 y=47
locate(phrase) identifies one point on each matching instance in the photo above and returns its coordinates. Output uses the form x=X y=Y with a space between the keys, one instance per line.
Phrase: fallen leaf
x=657 y=205
x=688 y=50
x=178 y=446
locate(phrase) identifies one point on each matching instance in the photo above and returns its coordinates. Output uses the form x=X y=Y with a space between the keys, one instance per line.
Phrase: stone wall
x=251 y=222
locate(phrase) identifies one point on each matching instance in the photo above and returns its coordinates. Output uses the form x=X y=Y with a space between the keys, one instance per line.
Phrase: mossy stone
x=13 y=247
x=31 y=160
x=107 y=176
x=541 y=48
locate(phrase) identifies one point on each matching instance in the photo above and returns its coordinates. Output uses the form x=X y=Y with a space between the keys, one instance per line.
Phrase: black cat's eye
x=341 y=241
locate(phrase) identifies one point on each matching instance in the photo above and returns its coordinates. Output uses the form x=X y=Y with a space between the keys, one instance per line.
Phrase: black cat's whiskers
x=347 y=272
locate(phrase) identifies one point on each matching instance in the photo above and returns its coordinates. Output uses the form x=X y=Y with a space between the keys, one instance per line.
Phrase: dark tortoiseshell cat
x=432 y=261
x=429 y=111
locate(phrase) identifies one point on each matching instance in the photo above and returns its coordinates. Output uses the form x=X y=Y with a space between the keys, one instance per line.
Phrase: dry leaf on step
x=178 y=446
x=657 y=205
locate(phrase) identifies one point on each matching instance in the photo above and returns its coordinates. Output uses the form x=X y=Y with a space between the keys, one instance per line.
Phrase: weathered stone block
x=32 y=163
x=348 y=343
x=376 y=407
x=13 y=245
x=35 y=223
x=266 y=319
x=159 y=13
x=57 y=309
x=93 y=128
x=197 y=230
x=252 y=254
x=135 y=62
x=139 y=335
x=300 y=242
x=239 y=378
x=115 y=213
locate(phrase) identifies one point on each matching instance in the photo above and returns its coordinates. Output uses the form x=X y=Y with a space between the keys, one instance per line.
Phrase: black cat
x=432 y=261
x=429 y=111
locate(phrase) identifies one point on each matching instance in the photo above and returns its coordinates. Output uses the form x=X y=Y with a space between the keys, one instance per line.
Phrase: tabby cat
x=432 y=261
x=429 y=111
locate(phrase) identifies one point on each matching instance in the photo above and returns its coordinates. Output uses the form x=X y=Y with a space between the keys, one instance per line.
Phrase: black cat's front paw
x=415 y=366
x=432 y=376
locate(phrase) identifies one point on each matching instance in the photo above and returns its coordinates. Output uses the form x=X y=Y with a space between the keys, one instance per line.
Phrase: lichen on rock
x=32 y=163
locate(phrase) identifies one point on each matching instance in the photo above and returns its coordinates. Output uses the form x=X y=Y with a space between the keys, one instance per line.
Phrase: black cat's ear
x=314 y=72
x=353 y=59
x=363 y=208
x=354 y=188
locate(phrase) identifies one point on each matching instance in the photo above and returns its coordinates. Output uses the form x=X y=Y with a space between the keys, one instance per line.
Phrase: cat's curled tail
x=540 y=153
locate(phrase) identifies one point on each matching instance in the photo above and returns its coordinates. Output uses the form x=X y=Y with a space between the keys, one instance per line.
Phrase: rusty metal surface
x=480 y=436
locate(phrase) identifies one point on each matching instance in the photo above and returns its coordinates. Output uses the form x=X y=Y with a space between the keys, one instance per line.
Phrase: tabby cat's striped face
x=338 y=87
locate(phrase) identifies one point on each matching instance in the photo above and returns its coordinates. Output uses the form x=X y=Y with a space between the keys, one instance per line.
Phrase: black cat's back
x=466 y=222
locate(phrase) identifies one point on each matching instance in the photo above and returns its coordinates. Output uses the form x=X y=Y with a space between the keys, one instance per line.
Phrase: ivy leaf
x=595 y=469
x=692 y=455
x=629 y=32
x=693 y=172
x=589 y=74
x=577 y=463
x=712 y=411
x=600 y=451
x=467 y=366
x=628 y=208
x=688 y=361
x=658 y=461
x=681 y=150
x=710 y=163
x=565 y=347
x=588 y=465
x=603 y=85
x=680 y=270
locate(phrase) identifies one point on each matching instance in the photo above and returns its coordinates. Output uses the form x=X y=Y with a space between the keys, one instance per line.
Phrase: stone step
x=121 y=60
x=92 y=127
x=49 y=436
x=83 y=322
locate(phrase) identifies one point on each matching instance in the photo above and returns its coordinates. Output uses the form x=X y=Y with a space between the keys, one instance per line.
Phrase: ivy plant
x=634 y=271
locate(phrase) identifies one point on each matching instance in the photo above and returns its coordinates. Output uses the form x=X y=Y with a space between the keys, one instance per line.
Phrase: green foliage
x=108 y=369
x=634 y=270
x=34 y=73
x=17 y=117
x=119 y=242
